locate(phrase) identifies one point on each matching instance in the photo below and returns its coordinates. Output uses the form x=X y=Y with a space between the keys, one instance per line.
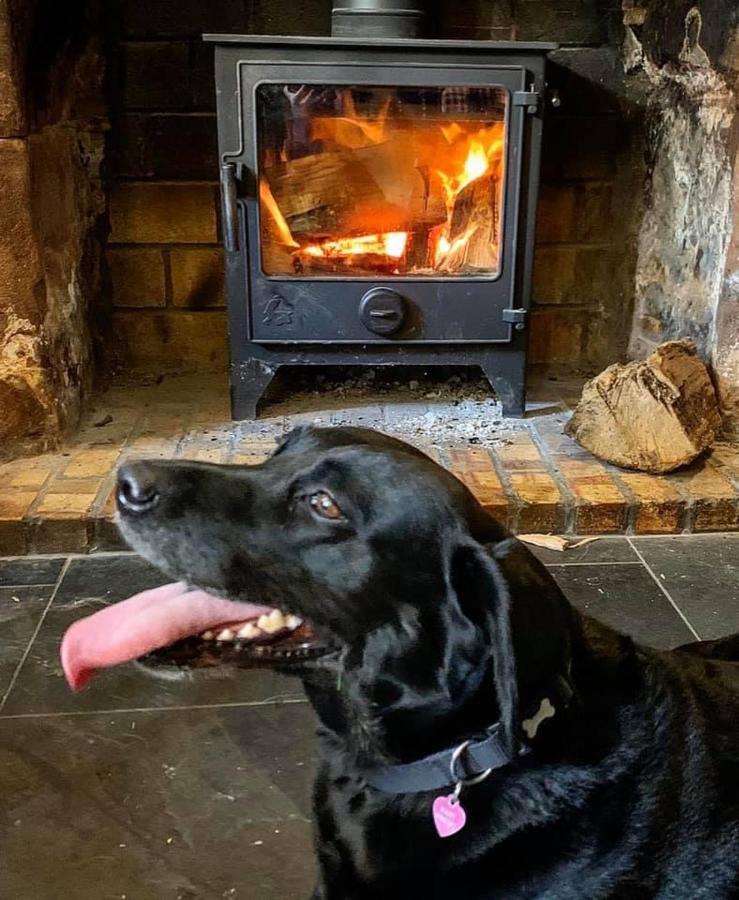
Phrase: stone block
x=89 y=462
x=540 y=506
x=476 y=470
x=156 y=75
x=477 y=20
x=566 y=273
x=590 y=80
x=137 y=276
x=301 y=17
x=174 y=146
x=12 y=116
x=14 y=505
x=556 y=336
x=659 y=505
x=714 y=501
x=172 y=341
x=58 y=534
x=202 y=75
x=197 y=278
x=600 y=505
x=184 y=18
x=163 y=213
x=580 y=212
x=21 y=275
x=566 y=22
x=582 y=147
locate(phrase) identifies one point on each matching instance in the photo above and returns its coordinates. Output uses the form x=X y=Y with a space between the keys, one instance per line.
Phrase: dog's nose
x=137 y=488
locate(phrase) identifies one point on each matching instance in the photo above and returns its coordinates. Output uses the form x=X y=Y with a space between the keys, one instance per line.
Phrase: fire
x=270 y=204
x=391 y=244
x=476 y=164
x=364 y=172
x=446 y=250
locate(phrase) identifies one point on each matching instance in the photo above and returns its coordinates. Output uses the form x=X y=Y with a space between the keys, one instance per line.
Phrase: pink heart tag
x=449 y=817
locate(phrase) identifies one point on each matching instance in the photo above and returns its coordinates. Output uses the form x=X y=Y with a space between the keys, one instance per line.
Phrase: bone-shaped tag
x=531 y=726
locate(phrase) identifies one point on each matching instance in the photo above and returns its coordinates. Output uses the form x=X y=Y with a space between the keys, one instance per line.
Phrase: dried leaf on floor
x=554 y=541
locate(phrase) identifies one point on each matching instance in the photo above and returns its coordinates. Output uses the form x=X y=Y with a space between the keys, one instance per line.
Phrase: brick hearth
x=526 y=472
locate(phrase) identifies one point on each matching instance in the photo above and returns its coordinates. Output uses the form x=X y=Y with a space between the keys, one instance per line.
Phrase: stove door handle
x=229 y=204
x=384 y=313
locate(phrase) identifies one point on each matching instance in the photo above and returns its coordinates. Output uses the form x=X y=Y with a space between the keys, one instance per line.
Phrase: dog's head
x=347 y=551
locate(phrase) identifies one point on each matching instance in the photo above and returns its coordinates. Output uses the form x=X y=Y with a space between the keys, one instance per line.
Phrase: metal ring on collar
x=467 y=782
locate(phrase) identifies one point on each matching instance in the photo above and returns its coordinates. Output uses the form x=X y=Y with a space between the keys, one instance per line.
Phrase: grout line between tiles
x=80 y=555
x=17 y=587
x=664 y=590
x=245 y=704
x=570 y=565
x=40 y=622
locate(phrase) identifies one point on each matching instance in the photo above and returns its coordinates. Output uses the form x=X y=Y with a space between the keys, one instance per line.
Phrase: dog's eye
x=324 y=505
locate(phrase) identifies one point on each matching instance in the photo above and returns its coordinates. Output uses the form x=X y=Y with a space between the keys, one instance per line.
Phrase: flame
x=390 y=244
x=435 y=162
x=351 y=131
x=476 y=164
x=395 y=242
x=270 y=204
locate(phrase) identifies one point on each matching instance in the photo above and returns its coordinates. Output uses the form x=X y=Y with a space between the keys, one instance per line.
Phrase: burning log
x=318 y=194
x=653 y=416
x=473 y=230
x=347 y=192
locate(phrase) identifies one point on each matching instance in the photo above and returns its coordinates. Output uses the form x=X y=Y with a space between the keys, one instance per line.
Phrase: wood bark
x=654 y=416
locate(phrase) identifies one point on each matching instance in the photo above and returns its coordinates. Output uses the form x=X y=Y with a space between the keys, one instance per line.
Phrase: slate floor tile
x=30 y=570
x=20 y=611
x=162 y=805
x=701 y=574
x=627 y=599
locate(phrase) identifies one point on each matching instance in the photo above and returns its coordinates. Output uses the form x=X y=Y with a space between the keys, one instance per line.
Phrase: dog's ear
x=483 y=597
x=290 y=439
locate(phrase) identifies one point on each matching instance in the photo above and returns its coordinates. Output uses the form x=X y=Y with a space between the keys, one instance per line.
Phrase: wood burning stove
x=379 y=196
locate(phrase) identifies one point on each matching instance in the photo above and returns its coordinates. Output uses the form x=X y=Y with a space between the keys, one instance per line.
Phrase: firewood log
x=653 y=416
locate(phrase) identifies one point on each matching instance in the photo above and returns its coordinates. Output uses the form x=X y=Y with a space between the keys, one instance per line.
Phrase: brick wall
x=165 y=265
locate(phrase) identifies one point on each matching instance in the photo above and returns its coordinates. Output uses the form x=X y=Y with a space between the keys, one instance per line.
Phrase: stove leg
x=249 y=380
x=507 y=378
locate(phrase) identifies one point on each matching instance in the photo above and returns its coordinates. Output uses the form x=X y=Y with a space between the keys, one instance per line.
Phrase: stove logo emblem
x=278 y=311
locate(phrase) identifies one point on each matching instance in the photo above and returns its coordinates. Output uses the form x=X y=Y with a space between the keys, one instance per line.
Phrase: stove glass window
x=375 y=181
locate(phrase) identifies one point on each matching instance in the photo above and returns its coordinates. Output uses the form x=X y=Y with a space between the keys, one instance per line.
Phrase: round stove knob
x=382 y=310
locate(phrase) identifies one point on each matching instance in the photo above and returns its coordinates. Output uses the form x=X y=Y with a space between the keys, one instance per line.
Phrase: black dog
x=443 y=662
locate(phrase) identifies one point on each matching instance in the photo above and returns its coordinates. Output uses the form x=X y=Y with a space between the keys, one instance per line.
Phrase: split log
x=317 y=194
x=340 y=193
x=654 y=416
x=475 y=215
x=406 y=186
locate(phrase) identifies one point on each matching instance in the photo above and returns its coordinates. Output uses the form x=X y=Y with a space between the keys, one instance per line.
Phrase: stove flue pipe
x=377 y=18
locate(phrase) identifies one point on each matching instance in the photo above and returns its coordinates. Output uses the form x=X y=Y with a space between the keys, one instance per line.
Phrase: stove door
x=385 y=203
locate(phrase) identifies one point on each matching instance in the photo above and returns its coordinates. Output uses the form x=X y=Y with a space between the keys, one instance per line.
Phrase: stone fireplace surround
x=109 y=255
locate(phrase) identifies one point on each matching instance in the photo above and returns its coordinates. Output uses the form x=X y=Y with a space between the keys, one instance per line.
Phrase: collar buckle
x=462 y=780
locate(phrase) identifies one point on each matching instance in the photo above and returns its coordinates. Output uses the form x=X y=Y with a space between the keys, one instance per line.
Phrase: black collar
x=469 y=763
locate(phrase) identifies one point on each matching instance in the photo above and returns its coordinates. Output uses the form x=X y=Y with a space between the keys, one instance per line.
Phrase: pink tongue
x=146 y=622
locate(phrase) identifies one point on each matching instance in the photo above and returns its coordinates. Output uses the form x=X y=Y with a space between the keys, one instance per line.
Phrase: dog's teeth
x=249 y=631
x=292 y=622
x=273 y=622
x=207 y=635
x=225 y=635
